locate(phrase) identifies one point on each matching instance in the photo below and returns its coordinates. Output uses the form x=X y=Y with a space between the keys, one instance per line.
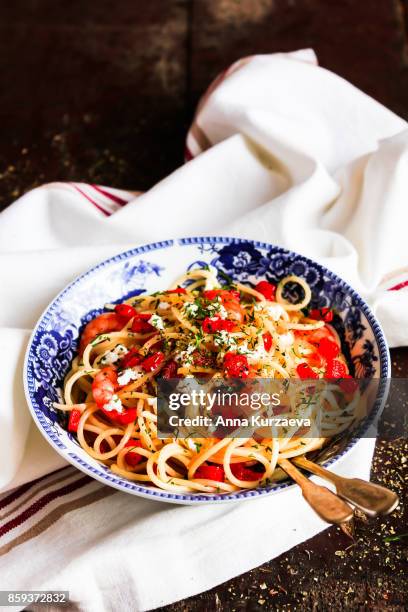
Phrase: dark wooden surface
x=104 y=91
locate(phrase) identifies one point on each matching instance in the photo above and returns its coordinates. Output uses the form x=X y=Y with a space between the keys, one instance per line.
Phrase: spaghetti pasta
x=197 y=327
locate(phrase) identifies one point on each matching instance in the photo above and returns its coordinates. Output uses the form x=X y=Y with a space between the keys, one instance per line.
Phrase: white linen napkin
x=294 y=155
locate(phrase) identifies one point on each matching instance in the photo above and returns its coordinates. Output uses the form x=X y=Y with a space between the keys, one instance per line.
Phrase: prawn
x=313 y=338
x=231 y=304
x=104 y=386
x=107 y=322
x=235 y=310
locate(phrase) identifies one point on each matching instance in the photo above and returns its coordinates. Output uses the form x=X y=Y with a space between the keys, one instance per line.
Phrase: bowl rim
x=124 y=485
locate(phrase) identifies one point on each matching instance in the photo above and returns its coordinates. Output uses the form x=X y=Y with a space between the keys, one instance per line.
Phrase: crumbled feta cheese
x=213 y=307
x=109 y=358
x=156 y=321
x=243 y=349
x=164 y=305
x=113 y=356
x=259 y=354
x=121 y=349
x=152 y=401
x=222 y=312
x=285 y=340
x=129 y=374
x=191 y=309
x=114 y=404
x=274 y=311
x=212 y=283
x=185 y=356
x=224 y=339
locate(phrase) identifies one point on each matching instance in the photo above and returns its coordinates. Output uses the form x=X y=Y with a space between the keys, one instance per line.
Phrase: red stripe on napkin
x=43 y=501
x=16 y=493
x=187 y=154
x=105 y=212
x=399 y=286
x=112 y=196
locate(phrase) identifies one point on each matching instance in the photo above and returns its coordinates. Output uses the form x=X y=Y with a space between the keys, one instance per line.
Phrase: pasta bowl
x=154 y=267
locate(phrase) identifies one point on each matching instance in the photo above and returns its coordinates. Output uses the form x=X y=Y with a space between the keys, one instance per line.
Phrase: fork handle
x=369 y=497
x=324 y=502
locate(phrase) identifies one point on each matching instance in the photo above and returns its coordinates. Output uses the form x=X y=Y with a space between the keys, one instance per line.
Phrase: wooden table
x=104 y=91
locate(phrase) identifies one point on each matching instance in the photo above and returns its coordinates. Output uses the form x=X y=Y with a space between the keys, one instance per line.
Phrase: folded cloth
x=282 y=151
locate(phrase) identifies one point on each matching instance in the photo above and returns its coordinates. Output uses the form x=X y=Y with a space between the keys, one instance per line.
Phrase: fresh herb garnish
x=228 y=280
x=396 y=538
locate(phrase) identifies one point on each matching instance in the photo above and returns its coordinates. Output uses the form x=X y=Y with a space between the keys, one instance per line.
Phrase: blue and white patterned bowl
x=150 y=268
